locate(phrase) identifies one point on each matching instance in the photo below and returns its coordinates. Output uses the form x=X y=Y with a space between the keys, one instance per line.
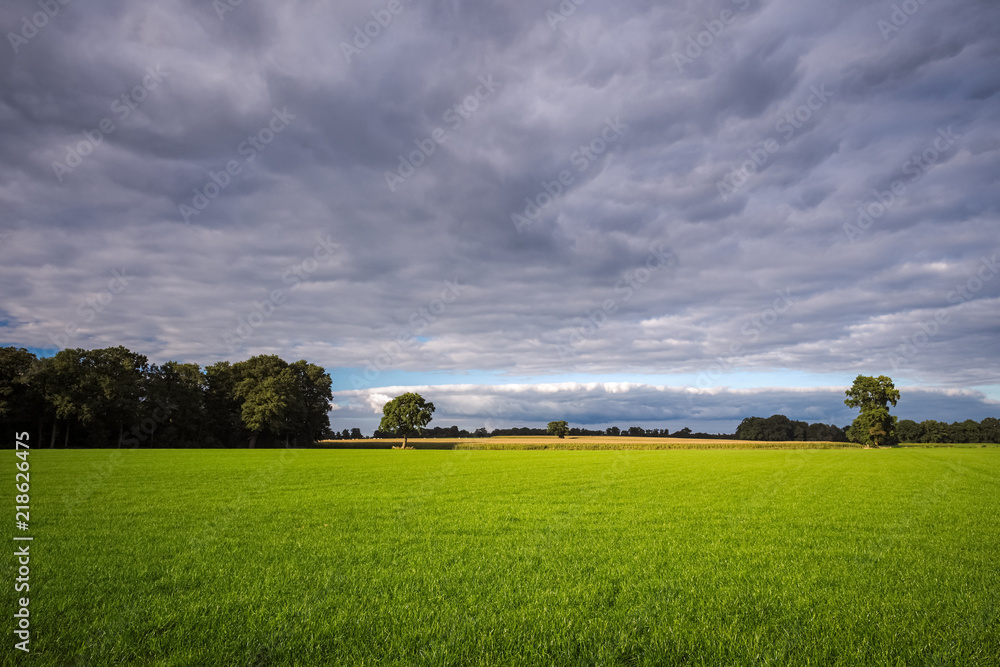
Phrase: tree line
x=776 y=427
x=93 y=398
x=483 y=432
x=780 y=427
x=929 y=430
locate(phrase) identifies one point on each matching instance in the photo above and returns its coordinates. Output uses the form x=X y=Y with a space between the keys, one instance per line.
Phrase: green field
x=311 y=557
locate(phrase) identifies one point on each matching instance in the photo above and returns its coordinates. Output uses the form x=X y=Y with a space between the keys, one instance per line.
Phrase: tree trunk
x=66 y=440
x=121 y=433
x=286 y=442
x=52 y=440
x=253 y=441
x=404 y=441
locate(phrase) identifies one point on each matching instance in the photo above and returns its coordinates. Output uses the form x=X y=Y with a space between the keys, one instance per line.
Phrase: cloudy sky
x=665 y=214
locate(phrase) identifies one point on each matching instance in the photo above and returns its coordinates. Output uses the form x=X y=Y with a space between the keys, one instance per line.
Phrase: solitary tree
x=559 y=428
x=874 y=427
x=406 y=413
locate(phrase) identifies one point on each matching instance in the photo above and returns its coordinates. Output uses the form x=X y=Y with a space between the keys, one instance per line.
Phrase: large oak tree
x=874 y=427
x=405 y=414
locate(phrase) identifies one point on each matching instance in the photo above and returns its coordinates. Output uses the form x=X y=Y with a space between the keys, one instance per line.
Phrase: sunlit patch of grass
x=305 y=557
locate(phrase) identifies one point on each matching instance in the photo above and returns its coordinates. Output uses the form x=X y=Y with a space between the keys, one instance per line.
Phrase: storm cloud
x=716 y=192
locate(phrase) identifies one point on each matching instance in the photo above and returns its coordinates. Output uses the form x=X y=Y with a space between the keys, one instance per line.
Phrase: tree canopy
x=558 y=428
x=780 y=427
x=113 y=396
x=874 y=427
x=406 y=414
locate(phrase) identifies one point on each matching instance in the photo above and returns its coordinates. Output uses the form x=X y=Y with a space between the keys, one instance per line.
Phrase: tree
x=223 y=422
x=967 y=431
x=559 y=428
x=309 y=415
x=69 y=387
x=406 y=413
x=119 y=374
x=173 y=409
x=935 y=431
x=21 y=404
x=908 y=430
x=874 y=427
x=266 y=387
x=990 y=429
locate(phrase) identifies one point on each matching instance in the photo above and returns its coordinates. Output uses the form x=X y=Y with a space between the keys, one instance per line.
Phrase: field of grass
x=313 y=557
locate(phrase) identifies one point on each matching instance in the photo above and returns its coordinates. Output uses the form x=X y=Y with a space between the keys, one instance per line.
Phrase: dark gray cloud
x=234 y=166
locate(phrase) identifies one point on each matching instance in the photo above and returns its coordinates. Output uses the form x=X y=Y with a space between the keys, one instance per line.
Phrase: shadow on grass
x=381 y=444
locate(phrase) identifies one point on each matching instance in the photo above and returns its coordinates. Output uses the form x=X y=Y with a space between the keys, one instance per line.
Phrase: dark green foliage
x=968 y=431
x=22 y=405
x=558 y=428
x=406 y=415
x=908 y=430
x=874 y=427
x=780 y=428
x=113 y=397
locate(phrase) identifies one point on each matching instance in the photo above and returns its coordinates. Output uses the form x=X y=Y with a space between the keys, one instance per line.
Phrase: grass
x=310 y=557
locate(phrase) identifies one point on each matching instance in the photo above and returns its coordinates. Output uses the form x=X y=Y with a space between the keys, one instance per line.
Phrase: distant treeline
x=455 y=432
x=780 y=427
x=113 y=396
x=776 y=427
x=929 y=430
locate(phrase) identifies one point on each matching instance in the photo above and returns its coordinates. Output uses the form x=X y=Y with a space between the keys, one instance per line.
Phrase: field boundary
x=579 y=443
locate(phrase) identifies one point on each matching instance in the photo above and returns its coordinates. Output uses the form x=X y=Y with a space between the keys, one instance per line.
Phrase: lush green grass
x=882 y=557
